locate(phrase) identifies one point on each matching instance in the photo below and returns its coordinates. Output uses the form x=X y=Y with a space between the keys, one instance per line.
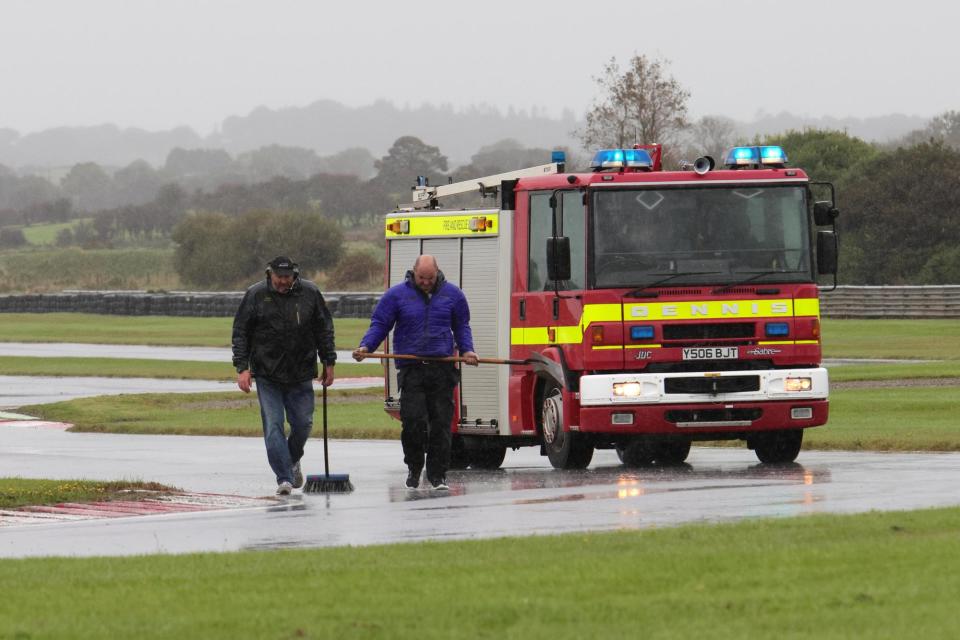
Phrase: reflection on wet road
x=525 y=497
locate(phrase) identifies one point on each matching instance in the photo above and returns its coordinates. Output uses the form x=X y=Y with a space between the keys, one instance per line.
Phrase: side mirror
x=824 y=213
x=558 y=259
x=827 y=252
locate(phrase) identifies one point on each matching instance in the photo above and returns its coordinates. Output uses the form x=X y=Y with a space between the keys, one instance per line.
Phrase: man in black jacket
x=280 y=329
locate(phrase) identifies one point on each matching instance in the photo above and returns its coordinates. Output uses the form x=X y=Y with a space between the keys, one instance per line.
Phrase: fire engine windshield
x=714 y=235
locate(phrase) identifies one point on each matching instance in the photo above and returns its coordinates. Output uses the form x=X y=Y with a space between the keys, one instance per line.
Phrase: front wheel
x=490 y=457
x=566 y=449
x=778 y=446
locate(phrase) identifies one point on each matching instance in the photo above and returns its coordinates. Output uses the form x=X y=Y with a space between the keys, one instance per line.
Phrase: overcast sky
x=160 y=64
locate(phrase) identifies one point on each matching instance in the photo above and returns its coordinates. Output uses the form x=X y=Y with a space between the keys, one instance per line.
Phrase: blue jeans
x=297 y=400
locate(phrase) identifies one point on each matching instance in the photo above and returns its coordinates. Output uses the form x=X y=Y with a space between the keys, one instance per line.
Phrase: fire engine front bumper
x=712 y=401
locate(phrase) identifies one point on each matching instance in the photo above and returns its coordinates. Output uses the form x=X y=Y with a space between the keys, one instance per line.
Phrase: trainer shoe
x=284 y=488
x=413 y=479
x=440 y=484
x=297 y=475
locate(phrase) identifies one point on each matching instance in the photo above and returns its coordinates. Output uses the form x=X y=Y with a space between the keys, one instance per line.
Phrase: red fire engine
x=651 y=308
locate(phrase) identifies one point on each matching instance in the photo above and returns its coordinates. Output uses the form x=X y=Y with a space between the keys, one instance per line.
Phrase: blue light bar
x=777 y=329
x=772 y=155
x=621 y=158
x=641 y=332
x=746 y=156
x=558 y=156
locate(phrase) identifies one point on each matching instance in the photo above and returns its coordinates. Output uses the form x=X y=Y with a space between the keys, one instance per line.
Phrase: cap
x=283 y=266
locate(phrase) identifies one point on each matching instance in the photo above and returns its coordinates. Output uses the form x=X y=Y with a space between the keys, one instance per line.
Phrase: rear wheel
x=672 y=452
x=566 y=449
x=636 y=453
x=778 y=446
x=646 y=451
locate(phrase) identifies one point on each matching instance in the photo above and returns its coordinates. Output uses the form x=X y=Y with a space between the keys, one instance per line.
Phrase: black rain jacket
x=280 y=336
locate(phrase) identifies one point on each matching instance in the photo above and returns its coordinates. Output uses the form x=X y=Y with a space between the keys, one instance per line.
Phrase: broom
x=328 y=482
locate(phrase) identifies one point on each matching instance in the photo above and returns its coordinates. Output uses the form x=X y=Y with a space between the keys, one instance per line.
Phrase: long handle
x=404 y=356
x=326 y=459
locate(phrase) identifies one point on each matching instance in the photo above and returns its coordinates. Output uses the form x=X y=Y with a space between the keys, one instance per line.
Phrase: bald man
x=431 y=318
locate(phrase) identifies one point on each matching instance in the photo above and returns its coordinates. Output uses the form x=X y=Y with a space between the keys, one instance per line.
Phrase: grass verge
x=353 y=413
x=902 y=339
x=915 y=418
x=132 y=368
x=146 y=330
x=19 y=492
x=876 y=575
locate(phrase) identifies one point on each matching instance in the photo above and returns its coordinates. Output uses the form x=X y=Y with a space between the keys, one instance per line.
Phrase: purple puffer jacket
x=425 y=326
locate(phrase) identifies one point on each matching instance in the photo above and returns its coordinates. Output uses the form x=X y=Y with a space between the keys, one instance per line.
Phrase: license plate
x=711 y=353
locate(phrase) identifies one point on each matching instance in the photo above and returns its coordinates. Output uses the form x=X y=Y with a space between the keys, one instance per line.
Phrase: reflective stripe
x=658 y=311
x=443 y=225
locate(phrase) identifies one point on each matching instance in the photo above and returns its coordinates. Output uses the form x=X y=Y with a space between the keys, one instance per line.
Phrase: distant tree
x=408 y=158
x=32 y=190
x=137 y=183
x=499 y=157
x=642 y=104
x=218 y=251
x=199 y=168
x=12 y=237
x=58 y=210
x=711 y=136
x=354 y=161
x=824 y=155
x=275 y=160
x=898 y=217
x=358 y=269
x=943 y=128
x=88 y=186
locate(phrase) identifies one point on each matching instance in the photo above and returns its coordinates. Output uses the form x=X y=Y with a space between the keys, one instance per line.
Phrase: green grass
x=19 y=492
x=876 y=575
x=902 y=339
x=355 y=413
x=41 y=234
x=145 y=330
x=132 y=368
x=912 y=418
x=927 y=370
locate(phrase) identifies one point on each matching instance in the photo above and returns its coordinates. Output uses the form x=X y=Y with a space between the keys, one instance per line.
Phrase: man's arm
x=242 y=324
x=381 y=322
x=462 y=333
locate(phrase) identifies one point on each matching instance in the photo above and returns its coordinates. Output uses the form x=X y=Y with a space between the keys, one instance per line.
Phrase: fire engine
x=643 y=309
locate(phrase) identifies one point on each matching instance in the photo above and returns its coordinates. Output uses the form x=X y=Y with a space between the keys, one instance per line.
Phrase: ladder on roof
x=425 y=196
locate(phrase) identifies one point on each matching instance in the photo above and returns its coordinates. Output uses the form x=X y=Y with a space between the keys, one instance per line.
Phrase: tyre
x=778 y=446
x=672 y=452
x=488 y=457
x=459 y=457
x=566 y=449
x=639 y=452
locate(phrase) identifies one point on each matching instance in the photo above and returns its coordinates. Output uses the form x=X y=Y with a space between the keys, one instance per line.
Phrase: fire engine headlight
x=797 y=384
x=626 y=389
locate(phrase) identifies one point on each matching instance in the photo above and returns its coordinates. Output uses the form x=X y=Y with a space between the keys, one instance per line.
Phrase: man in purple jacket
x=431 y=317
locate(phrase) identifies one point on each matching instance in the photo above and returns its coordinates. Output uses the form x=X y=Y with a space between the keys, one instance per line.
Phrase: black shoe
x=439 y=484
x=413 y=479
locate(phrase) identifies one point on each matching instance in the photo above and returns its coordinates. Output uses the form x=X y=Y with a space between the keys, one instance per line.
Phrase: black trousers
x=426 y=411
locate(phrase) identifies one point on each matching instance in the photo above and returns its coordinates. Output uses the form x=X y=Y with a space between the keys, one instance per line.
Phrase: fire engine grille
x=713 y=415
x=727 y=384
x=711 y=331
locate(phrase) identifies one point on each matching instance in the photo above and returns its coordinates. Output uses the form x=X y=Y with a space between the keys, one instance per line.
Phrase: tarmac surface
x=124 y=351
x=525 y=497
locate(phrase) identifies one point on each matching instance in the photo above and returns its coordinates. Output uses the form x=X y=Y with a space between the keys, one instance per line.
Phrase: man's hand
x=244 y=380
x=471 y=358
x=360 y=353
x=326 y=378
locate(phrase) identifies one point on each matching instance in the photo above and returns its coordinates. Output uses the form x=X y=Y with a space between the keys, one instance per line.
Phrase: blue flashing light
x=641 y=332
x=621 y=158
x=777 y=329
x=558 y=156
x=747 y=156
x=772 y=155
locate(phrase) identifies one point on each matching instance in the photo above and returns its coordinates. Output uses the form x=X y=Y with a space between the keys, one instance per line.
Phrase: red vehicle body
x=652 y=308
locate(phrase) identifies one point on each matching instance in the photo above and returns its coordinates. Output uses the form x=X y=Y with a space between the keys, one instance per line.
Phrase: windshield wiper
x=643 y=293
x=756 y=276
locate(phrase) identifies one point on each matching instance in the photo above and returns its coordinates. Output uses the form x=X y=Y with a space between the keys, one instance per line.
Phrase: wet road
x=525 y=497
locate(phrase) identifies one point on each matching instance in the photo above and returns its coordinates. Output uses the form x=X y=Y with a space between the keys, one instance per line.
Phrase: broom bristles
x=332 y=483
